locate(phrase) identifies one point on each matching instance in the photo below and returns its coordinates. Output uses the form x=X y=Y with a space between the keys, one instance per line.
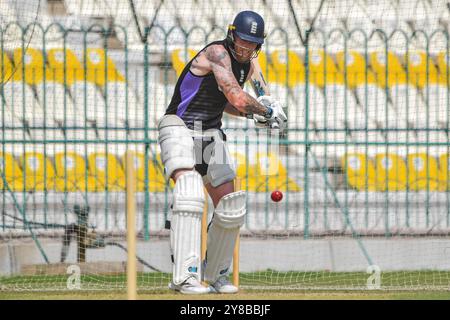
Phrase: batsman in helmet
x=195 y=155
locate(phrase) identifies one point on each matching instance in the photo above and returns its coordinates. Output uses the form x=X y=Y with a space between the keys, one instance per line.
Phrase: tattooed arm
x=233 y=111
x=216 y=59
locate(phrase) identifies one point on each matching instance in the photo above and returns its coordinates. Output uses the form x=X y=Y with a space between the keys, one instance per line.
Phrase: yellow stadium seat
x=444 y=172
x=29 y=65
x=356 y=68
x=180 y=58
x=288 y=67
x=266 y=67
x=418 y=70
x=101 y=68
x=390 y=172
x=6 y=68
x=39 y=171
x=156 y=180
x=272 y=175
x=322 y=69
x=422 y=172
x=12 y=172
x=71 y=173
x=107 y=171
x=360 y=172
x=395 y=73
x=247 y=178
x=65 y=72
x=444 y=68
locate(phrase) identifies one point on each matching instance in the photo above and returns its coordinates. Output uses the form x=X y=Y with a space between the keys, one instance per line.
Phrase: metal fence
x=366 y=151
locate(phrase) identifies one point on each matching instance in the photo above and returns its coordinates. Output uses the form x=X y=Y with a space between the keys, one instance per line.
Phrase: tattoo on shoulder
x=216 y=55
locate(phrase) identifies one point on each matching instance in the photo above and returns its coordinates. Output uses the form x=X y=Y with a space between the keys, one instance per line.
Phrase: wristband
x=268 y=113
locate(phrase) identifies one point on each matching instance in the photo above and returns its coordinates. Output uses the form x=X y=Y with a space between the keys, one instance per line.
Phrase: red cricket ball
x=276 y=196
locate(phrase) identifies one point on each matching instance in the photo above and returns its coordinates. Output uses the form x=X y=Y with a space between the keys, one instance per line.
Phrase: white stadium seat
x=58 y=103
x=89 y=103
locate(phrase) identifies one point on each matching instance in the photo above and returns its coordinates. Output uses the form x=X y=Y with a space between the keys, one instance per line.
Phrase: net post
x=204 y=235
x=237 y=186
x=131 y=233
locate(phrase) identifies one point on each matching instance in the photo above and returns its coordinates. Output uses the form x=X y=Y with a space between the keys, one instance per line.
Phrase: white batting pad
x=228 y=217
x=177 y=145
x=185 y=229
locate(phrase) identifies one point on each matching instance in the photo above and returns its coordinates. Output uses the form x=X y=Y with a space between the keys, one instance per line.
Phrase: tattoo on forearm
x=227 y=82
x=253 y=106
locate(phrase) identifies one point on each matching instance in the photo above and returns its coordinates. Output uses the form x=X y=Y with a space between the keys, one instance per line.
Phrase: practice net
x=363 y=166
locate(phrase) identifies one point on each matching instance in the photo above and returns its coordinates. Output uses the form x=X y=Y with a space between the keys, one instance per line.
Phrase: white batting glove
x=276 y=120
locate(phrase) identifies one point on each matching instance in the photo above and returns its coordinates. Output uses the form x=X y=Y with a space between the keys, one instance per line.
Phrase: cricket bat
x=259 y=84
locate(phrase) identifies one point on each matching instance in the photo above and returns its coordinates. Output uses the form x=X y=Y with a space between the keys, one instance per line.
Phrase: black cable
x=47 y=225
x=69 y=229
x=29 y=40
x=116 y=244
x=136 y=21
x=311 y=27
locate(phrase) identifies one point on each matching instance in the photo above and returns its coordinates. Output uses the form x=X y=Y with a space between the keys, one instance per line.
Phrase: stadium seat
x=272 y=175
x=54 y=97
x=408 y=103
x=361 y=127
x=90 y=103
x=444 y=172
x=71 y=174
x=360 y=172
x=30 y=65
x=356 y=67
x=421 y=69
x=422 y=172
x=438 y=97
x=20 y=99
x=100 y=68
x=266 y=67
x=374 y=105
x=289 y=68
x=326 y=121
x=180 y=58
x=329 y=119
x=64 y=66
x=167 y=19
x=107 y=171
x=39 y=171
x=419 y=14
x=322 y=69
x=12 y=172
x=395 y=73
x=391 y=172
x=444 y=68
x=6 y=68
x=191 y=18
x=83 y=8
x=156 y=180
x=431 y=140
x=11 y=125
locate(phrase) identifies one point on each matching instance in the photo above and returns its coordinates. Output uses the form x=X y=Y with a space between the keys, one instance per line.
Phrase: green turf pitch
x=260 y=285
x=242 y=295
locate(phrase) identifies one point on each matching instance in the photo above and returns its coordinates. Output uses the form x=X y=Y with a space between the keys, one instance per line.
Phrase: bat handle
x=274 y=126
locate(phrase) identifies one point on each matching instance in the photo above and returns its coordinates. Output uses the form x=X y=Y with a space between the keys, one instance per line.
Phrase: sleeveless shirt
x=199 y=98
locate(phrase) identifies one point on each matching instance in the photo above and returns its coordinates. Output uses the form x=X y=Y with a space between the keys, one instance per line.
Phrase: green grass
x=242 y=295
x=254 y=286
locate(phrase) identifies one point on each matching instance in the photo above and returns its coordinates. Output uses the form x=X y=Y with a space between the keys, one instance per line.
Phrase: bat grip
x=274 y=125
